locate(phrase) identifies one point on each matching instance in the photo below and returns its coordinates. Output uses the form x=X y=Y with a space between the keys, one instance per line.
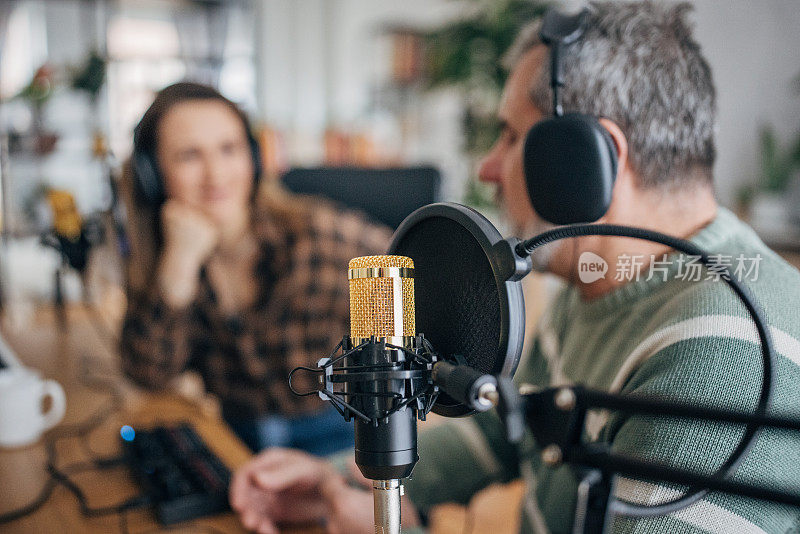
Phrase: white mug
x=22 y=419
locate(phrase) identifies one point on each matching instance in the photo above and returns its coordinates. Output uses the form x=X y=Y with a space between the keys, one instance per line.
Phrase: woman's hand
x=188 y=232
x=189 y=239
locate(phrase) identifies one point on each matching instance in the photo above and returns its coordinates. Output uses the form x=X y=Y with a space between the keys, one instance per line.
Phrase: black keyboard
x=182 y=477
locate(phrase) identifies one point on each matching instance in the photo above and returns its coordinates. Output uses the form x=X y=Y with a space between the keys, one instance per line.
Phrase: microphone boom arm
x=769 y=358
x=556 y=417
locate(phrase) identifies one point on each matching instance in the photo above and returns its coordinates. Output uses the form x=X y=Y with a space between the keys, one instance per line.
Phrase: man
x=651 y=326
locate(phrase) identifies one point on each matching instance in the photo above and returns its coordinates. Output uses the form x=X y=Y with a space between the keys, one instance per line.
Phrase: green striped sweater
x=686 y=340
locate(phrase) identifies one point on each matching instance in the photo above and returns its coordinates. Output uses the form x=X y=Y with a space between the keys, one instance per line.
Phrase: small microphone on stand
x=382 y=378
x=392 y=376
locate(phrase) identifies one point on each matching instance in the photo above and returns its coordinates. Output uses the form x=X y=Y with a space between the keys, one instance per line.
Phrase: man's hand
x=288 y=486
x=350 y=510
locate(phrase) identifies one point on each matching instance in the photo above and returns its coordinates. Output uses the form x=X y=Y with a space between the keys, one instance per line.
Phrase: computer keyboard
x=182 y=477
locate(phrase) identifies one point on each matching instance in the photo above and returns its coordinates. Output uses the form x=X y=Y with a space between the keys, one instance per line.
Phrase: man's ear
x=620 y=143
x=625 y=183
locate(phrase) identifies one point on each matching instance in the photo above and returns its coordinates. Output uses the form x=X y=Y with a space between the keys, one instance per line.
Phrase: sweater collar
x=711 y=238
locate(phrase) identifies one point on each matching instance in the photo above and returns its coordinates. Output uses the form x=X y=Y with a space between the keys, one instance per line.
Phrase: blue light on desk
x=127 y=433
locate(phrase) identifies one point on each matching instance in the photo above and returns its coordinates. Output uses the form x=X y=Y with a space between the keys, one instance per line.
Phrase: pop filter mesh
x=456 y=295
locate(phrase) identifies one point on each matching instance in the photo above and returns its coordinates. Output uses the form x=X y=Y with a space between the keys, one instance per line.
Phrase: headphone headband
x=562 y=28
x=570 y=161
x=559 y=30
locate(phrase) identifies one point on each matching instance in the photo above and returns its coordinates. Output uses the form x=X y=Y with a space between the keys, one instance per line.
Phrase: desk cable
x=61 y=476
x=57 y=475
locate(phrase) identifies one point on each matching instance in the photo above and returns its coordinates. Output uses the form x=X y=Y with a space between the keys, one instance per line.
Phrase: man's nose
x=490 y=169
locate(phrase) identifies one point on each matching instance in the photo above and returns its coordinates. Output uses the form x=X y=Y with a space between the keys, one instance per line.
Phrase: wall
x=754 y=51
x=320 y=60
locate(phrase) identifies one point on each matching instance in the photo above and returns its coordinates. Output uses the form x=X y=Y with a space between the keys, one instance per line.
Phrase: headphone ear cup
x=255 y=152
x=147 y=178
x=570 y=165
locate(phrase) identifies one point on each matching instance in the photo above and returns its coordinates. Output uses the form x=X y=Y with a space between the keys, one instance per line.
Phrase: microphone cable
x=745 y=445
x=61 y=476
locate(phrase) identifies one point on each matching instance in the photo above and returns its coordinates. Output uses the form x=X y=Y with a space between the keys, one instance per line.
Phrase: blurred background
x=334 y=83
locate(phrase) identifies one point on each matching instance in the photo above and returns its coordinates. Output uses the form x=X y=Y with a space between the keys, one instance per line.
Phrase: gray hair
x=639 y=66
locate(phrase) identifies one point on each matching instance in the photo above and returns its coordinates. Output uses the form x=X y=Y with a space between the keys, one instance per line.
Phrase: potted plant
x=90 y=79
x=37 y=93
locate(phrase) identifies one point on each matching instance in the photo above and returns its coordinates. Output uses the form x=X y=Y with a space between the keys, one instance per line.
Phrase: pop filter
x=468 y=296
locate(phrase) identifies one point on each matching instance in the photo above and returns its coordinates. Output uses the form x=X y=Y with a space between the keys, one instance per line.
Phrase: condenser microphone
x=381 y=314
x=436 y=325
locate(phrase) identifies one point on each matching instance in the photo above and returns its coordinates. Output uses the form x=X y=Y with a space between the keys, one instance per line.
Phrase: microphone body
x=387 y=450
x=381 y=313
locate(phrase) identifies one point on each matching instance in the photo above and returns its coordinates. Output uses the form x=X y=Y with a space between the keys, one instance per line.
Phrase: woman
x=237 y=285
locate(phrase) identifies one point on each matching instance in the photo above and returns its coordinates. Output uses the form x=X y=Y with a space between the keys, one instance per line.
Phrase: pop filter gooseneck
x=524 y=249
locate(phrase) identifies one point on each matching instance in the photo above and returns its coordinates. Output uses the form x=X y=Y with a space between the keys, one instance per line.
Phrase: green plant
x=467 y=54
x=91 y=76
x=469 y=50
x=778 y=166
x=40 y=88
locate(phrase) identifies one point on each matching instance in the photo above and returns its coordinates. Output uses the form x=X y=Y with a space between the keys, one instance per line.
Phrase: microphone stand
x=386 y=503
x=560 y=436
x=556 y=418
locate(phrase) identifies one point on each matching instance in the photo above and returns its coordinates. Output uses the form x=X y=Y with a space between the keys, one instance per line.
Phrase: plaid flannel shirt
x=301 y=312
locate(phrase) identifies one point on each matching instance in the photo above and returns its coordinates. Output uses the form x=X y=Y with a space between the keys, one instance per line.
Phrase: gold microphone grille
x=381 y=297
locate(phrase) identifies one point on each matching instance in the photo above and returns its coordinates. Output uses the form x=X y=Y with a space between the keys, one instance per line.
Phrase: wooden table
x=62 y=355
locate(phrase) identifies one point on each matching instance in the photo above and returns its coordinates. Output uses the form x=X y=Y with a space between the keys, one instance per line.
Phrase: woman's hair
x=143 y=214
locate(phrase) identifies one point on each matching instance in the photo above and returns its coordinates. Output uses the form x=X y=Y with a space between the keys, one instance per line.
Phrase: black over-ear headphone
x=149 y=182
x=570 y=160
